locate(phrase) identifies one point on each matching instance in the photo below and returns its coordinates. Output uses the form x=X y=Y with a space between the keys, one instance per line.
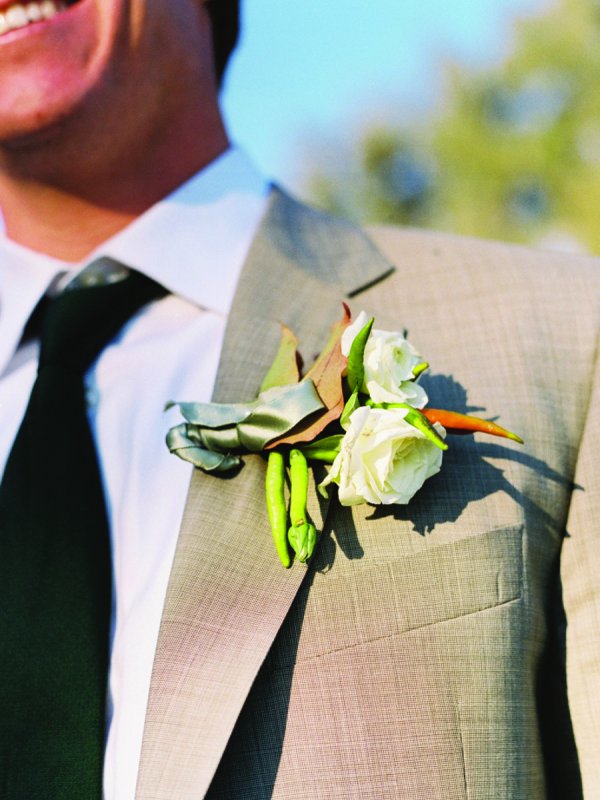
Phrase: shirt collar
x=25 y=276
x=193 y=242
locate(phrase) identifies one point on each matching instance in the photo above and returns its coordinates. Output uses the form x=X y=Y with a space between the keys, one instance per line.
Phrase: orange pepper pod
x=454 y=422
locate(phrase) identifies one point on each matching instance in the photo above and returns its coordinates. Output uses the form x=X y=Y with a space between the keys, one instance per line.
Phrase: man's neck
x=67 y=217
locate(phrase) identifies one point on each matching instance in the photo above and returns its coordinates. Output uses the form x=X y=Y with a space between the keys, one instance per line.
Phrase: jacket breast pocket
x=361 y=602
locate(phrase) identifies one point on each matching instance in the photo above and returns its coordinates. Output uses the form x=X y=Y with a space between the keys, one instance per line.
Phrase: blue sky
x=319 y=70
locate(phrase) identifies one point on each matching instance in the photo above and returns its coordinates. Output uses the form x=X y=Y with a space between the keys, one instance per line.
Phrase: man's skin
x=105 y=108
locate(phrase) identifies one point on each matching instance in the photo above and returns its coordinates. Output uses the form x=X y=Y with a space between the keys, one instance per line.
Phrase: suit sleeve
x=580 y=576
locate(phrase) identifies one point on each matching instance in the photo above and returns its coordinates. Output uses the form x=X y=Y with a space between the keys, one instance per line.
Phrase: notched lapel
x=228 y=595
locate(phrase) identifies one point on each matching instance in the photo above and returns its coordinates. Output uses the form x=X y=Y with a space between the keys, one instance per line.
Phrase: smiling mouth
x=20 y=15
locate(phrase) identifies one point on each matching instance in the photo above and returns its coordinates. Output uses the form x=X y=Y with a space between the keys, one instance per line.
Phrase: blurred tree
x=513 y=153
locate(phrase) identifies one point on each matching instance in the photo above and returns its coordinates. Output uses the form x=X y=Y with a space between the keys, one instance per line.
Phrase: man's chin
x=28 y=140
x=26 y=128
x=51 y=103
x=47 y=69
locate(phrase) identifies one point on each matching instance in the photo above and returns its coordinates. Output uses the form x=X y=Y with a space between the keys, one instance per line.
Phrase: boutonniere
x=359 y=409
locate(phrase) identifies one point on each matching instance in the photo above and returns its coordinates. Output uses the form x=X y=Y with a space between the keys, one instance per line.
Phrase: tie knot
x=83 y=319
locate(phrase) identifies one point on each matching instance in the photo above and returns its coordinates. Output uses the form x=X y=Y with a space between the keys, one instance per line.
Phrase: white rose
x=389 y=362
x=383 y=459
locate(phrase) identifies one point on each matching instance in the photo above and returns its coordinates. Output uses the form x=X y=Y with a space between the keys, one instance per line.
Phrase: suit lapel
x=228 y=595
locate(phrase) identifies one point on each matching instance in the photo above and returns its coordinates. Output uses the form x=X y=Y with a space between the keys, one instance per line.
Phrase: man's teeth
x=19 y=15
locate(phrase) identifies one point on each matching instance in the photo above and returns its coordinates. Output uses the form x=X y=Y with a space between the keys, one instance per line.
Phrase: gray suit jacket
x=448 y=649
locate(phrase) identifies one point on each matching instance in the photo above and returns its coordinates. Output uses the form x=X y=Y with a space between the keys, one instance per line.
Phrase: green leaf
x=215 y=415
x=209 y=461
x=180 y=444
x=274 y=413
x=415 y=418
x=351 y=405
x=219 y=440
x=419 y=369
x=277 y=412
x=356 y=367
x=284 y=369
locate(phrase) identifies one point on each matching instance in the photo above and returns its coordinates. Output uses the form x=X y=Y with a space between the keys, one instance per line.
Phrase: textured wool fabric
x=580 y=575
x=423 y=653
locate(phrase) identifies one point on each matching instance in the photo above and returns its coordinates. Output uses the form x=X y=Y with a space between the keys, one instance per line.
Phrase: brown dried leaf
x=326 y=373
x=307 y=431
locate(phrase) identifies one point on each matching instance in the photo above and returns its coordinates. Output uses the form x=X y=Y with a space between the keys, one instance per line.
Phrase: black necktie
x=55 y=565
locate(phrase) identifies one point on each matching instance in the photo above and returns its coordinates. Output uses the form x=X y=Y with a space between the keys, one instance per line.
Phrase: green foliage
x=356 y=367
x=512 y=153
x=284 y=369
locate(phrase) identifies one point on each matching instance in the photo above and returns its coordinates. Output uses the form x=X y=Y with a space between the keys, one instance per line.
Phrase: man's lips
x=20 y=15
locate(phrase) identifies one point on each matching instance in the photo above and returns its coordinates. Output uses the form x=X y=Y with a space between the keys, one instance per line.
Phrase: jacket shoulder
x=467 y=262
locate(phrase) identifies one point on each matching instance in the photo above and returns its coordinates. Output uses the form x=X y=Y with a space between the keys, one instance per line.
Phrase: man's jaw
x=20 y=15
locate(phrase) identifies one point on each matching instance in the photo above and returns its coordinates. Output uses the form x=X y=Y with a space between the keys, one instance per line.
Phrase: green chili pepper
x=356 y=367
x=325 y=449
x=275 y=492
x=322 y=454
x=303 y=539
x=299 y=486
x=302 y=535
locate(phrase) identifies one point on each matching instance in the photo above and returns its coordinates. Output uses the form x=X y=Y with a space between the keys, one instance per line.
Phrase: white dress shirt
x=194 y=243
